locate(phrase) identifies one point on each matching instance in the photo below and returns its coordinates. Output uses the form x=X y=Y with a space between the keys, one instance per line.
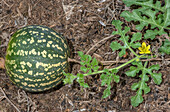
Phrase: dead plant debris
x=87 y=25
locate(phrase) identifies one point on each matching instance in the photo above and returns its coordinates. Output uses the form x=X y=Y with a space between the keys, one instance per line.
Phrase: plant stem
x=126 y=43
x=143 y=76
x=102 y=71
x=133 y=52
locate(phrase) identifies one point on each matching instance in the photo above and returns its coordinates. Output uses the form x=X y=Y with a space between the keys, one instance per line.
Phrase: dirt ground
x=83 y=23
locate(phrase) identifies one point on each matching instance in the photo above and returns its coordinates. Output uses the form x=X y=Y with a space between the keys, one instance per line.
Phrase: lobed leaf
x=165 y=48
x=88 y=64
x=137 y=99
x=116 y=78
x=146 y=4
x=84 y=69
x=106 y=79
x=132 y=72
x=106 y=92
x=152 y=33
x=115 y=46
x=69 y=78
x=124 y=38
x=147 y=16
x=94 y=62
x=157 y=77
x=142 y=85
x=80 y=80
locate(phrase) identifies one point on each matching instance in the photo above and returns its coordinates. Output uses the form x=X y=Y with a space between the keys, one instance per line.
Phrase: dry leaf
x=98 y=57
x=2 y=63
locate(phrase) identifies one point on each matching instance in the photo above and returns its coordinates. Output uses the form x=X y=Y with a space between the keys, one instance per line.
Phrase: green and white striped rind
x=35 y=58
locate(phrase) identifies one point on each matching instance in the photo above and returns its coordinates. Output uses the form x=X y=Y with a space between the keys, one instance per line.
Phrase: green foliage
x=148 y=13
x=107 y=78
x=69 y=78
x=165 y=48
x=80 y=80
x=88 y=64
x=142 y=85
x=124 y=38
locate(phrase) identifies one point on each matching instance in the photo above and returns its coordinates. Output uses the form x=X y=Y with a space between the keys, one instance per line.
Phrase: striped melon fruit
x=35 y=58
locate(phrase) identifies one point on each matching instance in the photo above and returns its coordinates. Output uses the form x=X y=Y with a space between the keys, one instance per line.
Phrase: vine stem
x=102 y=71
x=133 y=52
x=143 y=76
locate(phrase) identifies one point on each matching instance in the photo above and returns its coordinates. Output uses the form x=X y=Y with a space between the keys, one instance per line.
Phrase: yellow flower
x=144 y=49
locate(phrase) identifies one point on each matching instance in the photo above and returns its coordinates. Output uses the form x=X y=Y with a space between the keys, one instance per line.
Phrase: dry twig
x=99 y=43
x=124 y=61
x=4 y=95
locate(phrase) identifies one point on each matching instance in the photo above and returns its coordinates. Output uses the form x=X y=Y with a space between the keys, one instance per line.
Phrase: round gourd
x=35 y=58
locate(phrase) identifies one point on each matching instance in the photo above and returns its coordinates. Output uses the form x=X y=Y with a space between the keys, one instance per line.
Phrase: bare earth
x=83 y=23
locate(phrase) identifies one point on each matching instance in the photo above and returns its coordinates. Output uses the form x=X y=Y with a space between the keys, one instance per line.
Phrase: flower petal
x=147 y=52
x=140 y=48
x=141 y=52
x=143 y=45
x=148 y=47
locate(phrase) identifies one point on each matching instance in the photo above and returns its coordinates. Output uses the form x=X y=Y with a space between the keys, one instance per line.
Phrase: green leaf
x=89 y=58
x=69 y=78
x=95 y=68
x=80 y=80
x=123 y=33
x=146 y=88
x=106 y=92
x=132 y=72
x=88 y=64
x=80 y=53
x=142 y=85
x=107 y=78
x=115 y=46
x=137 y=99
x=135 y=16
x=82 y=63
x=117 y=24
x=94 y=62
x=122 y=52
x=125 y=39
x=85 y=85
x=114 y=71
x=157 y=77
x=83 y=56
x=104 y=79
x=152 y=33
x=149 y=14
x=138 y=64
x=165 y=48
x=135 y=86
x=144 y=77
x=84 y=69
x=90 y=71
x=136 y=36
x=116 y=78
x=145 y=3
x=135 y=45
x=80 y=76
